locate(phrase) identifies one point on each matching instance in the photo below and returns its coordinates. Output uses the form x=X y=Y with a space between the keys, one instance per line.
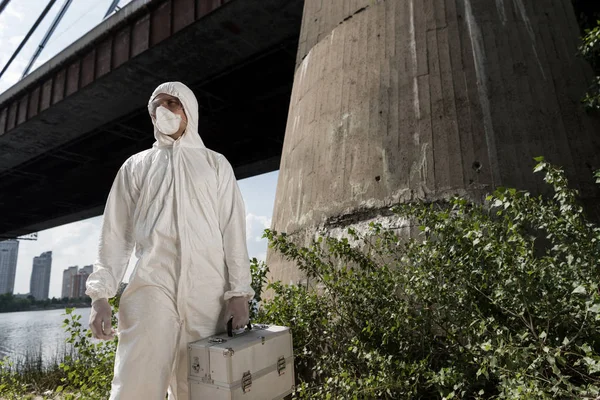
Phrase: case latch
x=196 y=365
x=281 y=365
x=246 y=381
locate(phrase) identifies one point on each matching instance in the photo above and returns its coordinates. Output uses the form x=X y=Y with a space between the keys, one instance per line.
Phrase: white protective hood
x=189 y=102
x=179 y=204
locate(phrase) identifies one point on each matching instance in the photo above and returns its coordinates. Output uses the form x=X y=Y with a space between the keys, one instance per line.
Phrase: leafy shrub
x=495 y=300
x=90 y=372
x=11 y=386
x=259 y=271
x=498 y=300
x=590 y=49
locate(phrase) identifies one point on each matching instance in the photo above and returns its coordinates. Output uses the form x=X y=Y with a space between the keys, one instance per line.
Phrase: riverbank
x=51 y=307
x=16 y=303
x=74 y=369
x=31 y=374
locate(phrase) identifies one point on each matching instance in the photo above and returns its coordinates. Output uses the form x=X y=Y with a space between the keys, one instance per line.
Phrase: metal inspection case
x=257 y=364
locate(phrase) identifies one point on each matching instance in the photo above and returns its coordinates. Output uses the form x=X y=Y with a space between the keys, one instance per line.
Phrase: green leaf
x=579 y=290
x=539 y=167
x=487 y=346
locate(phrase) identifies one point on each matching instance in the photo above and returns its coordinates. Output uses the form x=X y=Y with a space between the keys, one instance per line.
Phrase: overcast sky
x=76 y=243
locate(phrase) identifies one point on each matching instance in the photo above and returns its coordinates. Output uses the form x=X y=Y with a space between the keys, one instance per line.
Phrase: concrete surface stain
x=413 y=54
x=482 y=78
x=521 y=7
x=501 y=11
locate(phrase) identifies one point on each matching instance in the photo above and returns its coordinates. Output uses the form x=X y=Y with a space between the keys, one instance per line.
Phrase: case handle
x=230 y=327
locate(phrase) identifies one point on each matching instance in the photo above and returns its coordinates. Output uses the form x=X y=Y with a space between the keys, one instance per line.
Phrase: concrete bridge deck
x=66 y=128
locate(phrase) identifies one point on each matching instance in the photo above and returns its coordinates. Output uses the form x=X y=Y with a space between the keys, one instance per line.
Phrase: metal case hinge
x=246 y=381
x=281 y=365
x=196 y=365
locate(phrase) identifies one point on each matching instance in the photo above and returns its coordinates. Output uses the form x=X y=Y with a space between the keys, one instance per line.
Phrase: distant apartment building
x=74 y=280
x=88 y=269
x=84 y=272
x=68 y=275
x=79 y=281
x=9 y=252
x=39 y=284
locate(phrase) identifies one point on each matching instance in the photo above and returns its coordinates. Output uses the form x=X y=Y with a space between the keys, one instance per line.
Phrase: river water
x=34 y=332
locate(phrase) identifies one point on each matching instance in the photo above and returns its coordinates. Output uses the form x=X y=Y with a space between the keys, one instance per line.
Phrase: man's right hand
x=100 y=317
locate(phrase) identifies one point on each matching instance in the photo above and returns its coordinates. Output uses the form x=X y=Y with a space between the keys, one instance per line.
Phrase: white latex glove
x=100 y=320
x=237 y=307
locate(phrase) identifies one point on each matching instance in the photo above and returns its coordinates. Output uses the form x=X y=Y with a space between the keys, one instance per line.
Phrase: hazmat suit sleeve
x=232 y=222
x=116 y=238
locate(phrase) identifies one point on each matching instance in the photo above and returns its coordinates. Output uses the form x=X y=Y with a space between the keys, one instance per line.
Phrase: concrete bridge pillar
x=399 y=100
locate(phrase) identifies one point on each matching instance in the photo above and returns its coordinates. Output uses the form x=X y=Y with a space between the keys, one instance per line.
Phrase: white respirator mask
x=166 y=121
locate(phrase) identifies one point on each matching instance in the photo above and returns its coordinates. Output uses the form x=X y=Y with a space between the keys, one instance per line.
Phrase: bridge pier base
x=396 y=101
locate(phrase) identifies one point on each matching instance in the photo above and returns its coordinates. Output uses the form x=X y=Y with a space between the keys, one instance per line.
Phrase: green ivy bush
x=498 y=300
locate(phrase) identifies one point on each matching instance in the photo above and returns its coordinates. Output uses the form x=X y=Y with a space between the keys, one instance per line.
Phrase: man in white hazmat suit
x=179 y=204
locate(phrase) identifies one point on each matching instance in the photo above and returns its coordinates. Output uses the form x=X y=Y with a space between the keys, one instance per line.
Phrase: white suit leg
x=179 y=388
x=148 y=336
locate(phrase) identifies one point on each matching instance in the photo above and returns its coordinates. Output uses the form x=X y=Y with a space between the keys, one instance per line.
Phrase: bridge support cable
x=33 y=28
x=3 y=5
x=113 y=6
x=49 y=33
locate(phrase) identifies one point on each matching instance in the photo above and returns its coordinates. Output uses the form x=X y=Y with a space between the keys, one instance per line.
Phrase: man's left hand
x=237 y=307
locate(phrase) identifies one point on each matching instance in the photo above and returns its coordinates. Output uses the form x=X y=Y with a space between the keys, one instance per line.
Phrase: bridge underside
x=58 y=167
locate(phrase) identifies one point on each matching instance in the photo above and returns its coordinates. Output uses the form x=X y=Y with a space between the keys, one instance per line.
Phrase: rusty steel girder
x=143 y=28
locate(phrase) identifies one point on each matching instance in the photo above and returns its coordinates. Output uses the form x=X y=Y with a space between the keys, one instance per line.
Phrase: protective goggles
x=170 y=103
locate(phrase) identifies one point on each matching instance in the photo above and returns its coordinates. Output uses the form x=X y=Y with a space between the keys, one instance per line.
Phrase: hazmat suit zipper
x=178 y=221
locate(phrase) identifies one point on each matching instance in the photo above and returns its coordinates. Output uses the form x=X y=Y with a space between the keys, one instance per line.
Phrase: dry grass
x=30 y=374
